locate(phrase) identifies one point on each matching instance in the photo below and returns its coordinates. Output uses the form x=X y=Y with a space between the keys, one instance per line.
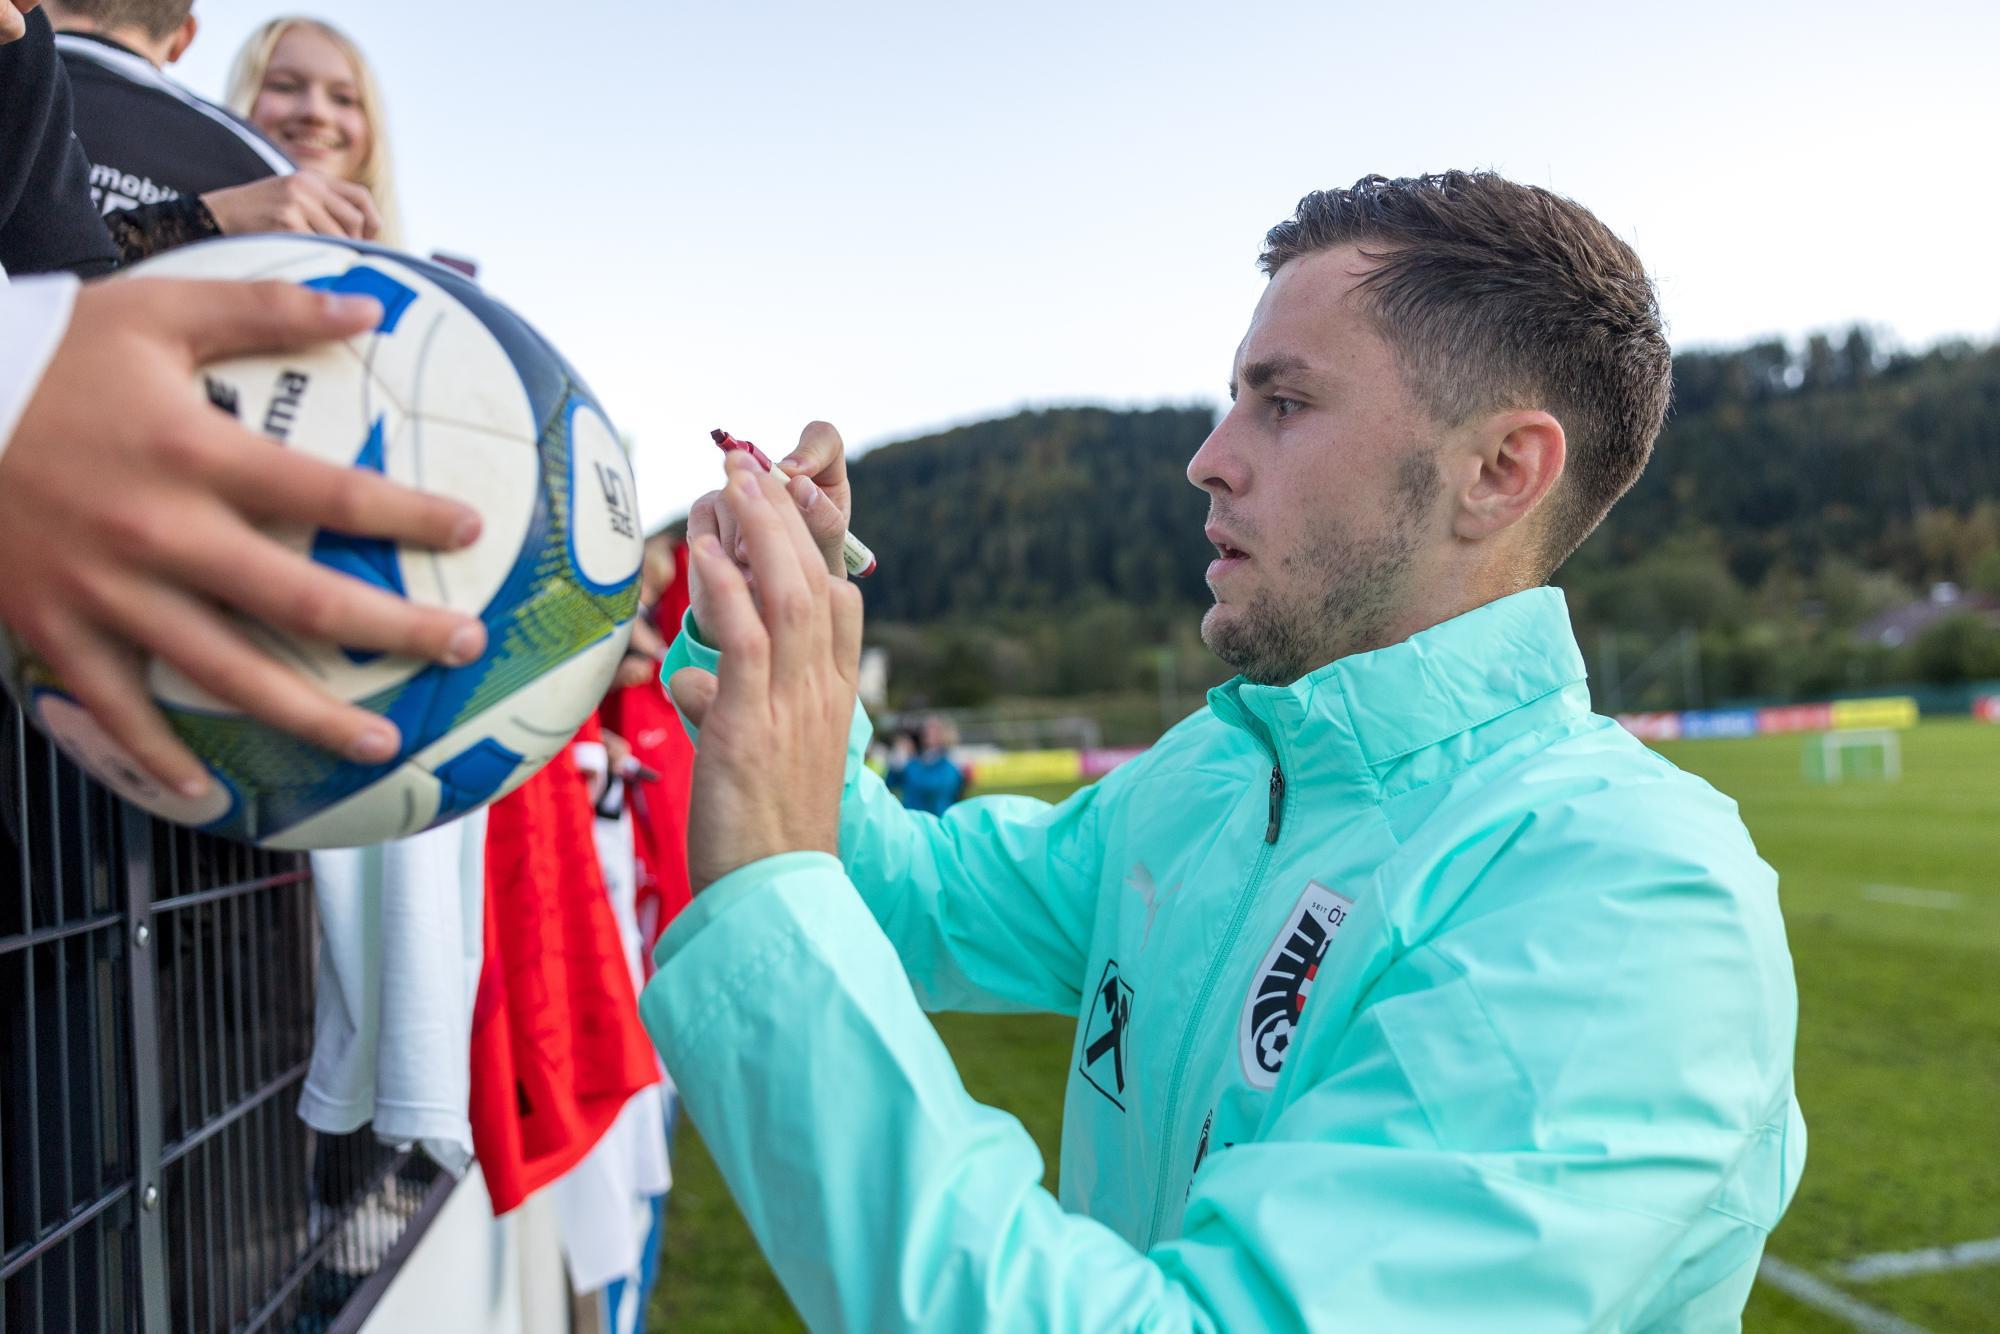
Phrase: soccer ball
x=452 y=393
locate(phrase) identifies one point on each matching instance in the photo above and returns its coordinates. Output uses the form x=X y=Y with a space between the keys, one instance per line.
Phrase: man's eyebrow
x=1260 y=373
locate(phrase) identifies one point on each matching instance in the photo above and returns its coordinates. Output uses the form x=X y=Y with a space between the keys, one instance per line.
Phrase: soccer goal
x=1862 y=752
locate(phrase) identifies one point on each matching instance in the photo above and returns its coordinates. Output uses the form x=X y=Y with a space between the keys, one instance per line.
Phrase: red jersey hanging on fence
x=557 y=1048
x=646 y=718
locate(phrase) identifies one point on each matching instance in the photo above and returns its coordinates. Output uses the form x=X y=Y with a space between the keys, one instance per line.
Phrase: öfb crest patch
x=1278 y=995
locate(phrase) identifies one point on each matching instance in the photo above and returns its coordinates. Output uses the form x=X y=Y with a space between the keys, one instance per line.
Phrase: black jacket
x=47 y=221
x=149 y=139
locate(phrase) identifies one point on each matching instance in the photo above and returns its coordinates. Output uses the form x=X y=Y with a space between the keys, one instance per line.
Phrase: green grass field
x=1892 y=899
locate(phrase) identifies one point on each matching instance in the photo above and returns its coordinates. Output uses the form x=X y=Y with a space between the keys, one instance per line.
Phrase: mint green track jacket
x=1409 y=996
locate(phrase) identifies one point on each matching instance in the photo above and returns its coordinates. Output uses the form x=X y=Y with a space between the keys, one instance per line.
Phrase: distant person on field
x=1410 y=995
x=306 y=85
x=897 y=753
x=926 y=779
x=153 y=145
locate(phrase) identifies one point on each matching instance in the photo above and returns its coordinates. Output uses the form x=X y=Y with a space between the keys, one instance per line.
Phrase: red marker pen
x=860 y=561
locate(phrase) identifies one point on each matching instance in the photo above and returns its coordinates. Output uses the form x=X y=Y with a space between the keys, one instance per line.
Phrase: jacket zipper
x=1178 y=1073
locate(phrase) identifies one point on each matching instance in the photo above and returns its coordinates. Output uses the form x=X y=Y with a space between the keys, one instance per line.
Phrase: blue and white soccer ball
x=455 y=394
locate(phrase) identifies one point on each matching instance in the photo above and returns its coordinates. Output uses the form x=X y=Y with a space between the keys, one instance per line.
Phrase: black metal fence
x=155 y=1028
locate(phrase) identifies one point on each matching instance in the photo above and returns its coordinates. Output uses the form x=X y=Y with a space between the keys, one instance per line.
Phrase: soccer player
x=1410 y=994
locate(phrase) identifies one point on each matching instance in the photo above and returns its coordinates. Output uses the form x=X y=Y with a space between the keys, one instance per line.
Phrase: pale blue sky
x=896 y=216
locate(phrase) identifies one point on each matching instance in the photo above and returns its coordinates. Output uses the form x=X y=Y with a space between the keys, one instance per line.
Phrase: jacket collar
x=104 y=50
x=1363 y=711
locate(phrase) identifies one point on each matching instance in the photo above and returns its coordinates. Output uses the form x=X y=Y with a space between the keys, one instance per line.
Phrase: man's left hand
x=774 y=719
x=816 y=477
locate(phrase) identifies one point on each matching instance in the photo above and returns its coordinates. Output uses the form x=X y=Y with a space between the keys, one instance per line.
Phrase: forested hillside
x=1795 y=491
x=1040 y=510
x=1789 y=456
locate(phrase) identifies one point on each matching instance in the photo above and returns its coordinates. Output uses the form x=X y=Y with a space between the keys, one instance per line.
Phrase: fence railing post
x=142 y=948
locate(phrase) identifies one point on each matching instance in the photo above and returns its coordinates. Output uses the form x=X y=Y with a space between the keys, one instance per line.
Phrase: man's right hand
x=127 y=506
x=305 y=201
x=817 y=473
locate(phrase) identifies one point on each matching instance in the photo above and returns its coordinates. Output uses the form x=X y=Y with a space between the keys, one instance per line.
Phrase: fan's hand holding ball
x=125 y=500
x=322 y=627
x=299 y=201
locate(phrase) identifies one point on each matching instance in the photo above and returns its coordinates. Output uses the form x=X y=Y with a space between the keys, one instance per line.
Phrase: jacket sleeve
x=152 y=229
x=47 y=220
x=990 y=906
x=1423 y=1167
x=884 y=1196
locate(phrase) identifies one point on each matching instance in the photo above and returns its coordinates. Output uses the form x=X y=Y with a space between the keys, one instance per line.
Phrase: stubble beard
x=1349 y=590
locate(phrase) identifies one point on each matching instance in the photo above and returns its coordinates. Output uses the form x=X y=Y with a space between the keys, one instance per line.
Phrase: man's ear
x=183 y=38
x=1520 y=455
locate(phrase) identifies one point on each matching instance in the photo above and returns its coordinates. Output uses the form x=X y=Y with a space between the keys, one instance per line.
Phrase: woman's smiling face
x=310 y=104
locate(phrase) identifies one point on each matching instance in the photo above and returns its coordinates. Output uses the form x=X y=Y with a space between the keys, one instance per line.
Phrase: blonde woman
x=309 y=89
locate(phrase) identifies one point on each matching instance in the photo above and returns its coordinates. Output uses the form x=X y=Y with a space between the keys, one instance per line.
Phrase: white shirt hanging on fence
x=401 y=940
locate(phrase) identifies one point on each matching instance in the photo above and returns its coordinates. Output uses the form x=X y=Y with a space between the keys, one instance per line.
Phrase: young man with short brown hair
x=1411 y=995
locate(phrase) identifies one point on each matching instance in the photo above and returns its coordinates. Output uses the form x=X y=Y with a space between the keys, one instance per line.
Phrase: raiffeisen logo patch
x=1103 y=1060
x=1278 y=996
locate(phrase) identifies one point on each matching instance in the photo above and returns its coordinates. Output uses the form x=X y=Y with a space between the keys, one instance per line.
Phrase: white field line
x=1825 y=1297
x=1930 y=1260
x=1913 y=898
